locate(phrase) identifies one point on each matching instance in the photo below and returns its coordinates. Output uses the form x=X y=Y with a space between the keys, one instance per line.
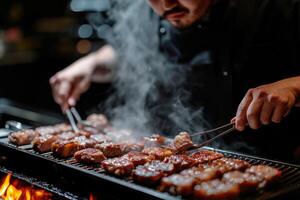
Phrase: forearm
x=104 y=62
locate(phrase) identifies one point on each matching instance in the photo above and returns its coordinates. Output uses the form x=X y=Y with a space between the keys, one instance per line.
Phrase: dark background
x=39 y=38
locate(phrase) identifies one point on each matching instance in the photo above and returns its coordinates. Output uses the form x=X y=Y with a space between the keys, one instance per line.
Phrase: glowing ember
x=15 y=191
x=92 y=197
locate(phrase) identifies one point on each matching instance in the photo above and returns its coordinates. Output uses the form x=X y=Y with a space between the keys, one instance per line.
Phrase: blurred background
x=39 y=38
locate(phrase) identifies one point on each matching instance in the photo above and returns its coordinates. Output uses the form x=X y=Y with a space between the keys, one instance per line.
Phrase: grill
x=94 y=177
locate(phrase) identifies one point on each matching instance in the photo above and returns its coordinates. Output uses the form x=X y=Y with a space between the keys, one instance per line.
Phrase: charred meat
x=89 y=156
x=118 y=166
x=216 y=189
x=204 y=156
x=159 y=152
x=182 y=142
x=22 y=137
x=180 y=162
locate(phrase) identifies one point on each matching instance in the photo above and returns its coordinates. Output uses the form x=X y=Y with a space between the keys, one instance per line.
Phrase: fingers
x=241 y=115
x=261 y=107
x=61 y=89
x=254 y=110
x=266 y=113
x=78 y=89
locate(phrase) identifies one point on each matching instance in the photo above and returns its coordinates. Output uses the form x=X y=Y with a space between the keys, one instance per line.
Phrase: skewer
x=71 y=120
x=212 y=130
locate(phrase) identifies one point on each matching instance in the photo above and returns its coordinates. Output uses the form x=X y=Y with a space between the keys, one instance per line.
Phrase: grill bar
x=290 y=181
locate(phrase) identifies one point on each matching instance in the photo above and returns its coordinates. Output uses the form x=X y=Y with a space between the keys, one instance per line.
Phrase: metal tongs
x=225 y=129
x=71 y=113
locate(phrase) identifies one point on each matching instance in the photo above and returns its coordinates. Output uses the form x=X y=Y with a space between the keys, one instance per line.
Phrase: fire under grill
x=93 y=177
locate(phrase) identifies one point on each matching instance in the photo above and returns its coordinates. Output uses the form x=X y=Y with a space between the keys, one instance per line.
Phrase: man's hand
x=267 y=103
x=68 y=84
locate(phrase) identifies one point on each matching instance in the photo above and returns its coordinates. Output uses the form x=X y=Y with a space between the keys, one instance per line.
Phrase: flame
x=16 y=191
x=92 y=197
x=5 y=185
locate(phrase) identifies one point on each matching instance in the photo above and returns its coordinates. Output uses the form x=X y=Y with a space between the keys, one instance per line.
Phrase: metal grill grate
x=290 y=180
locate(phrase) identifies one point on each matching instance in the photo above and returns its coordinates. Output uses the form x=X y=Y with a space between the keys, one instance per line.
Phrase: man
x=240 y=55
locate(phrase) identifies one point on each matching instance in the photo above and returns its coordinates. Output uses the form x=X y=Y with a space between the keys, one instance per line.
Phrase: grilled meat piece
x=68 y=135
x=154 y=140
x=98 y=121
x=118 y=166
x=158 y=152
x=89 y=156
x=53 y=130
x=110 y=149
x=22 y=137
x=165 y=168
x=200 y=173
x=44 y=143
x=216 y=189
x=67 y=148
x=182 y=142
x=100 y=138
x=152 y=172
x=64 y=148
x=147 y=176
x=130 y=146
x=269 y=174
x=204 y=156
x=178 y=184
x=84 y=142
x=246 y=181
x=180 y=162
x=224 y=165
x=138 y=158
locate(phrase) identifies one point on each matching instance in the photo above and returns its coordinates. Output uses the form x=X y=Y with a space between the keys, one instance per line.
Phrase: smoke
x=149 y=96
x=142 y=74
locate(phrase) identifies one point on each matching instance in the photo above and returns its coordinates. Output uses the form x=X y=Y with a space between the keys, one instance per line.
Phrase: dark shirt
x=243 y=44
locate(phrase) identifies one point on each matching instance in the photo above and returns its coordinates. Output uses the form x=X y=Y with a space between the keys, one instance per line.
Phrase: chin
x=180 y=24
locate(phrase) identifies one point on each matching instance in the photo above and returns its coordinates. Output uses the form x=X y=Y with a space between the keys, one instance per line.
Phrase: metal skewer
x=72 y=121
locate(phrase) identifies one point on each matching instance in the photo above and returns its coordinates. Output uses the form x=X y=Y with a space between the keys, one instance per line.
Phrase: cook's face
x=180 y=13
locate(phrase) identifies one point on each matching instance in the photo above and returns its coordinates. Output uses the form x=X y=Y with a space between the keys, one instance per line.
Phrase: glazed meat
x=89 y=156
x=100 y=138
x=67 y=148
x=200 y=173
x=216 y=189
x=224 y=165
x=98 y=121
x=204 y=156
x=44 y=143
x=246 y=181
x=53 y=130
x=68 y=135
x=269 y=174
x=182 y=142
x=158 y=152
x=165 y=168
x=22 y=137
x=152 y=172
x=178 y=184
x=64 y=148
x=180 y=162
x=146 y=175
x=118 y=166
x=138 y=158
x=110 y=150
x=130 y=146
x=154 y=140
